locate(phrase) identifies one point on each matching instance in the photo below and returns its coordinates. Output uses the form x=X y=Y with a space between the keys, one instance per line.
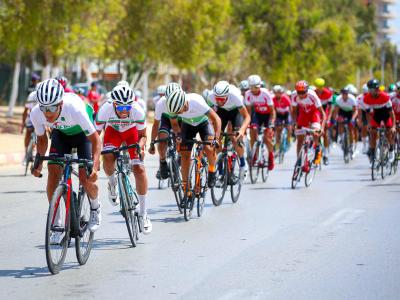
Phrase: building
x=383 y=16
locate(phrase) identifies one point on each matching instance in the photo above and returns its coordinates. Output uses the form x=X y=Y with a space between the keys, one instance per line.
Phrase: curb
x=11 y=159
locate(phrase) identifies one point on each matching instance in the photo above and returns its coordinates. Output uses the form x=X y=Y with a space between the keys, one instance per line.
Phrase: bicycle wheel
x=176 y=182
x=84 y=241
x=28 y=156
x=190 y=194
x=283 y=146
x=346 y=147
x=384 y=160
x=297 y=172
x=375 y=165
x=253 y=168
x=264 y=164
x=201 y=197
x=310 y=175
x=127 y=208
x=234 y=178
x=58 y=220
x=218 y=191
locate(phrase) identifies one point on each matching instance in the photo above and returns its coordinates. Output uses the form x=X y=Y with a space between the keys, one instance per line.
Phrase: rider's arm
x=323 y=114
x=335 y=110
x=294 y=114
x=273 y=114
x=42 y=144
x=216 y=121
x=142 y=137
x=94 y=138
x=24 y=116
x=175 y=126
x=355 y=114
x=154 y=129
x=246 y=119
x=248 y=107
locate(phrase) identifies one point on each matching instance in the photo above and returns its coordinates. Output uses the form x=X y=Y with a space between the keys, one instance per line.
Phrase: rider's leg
x=28 y=134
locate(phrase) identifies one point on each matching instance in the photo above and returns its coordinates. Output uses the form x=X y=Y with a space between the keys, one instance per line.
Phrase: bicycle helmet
x=278 y=89
x=175 y=101
x=302 y=86
x=161 y=90
x=172 y=86
x=373 y=84
x=244 y=85
x=221 y=89
x=254 y=81
x=122 y=95
x=49 y=92
x=319 y=83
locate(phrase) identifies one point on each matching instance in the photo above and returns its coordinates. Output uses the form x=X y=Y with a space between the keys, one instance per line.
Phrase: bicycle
x=228 y=166
x=284 y=145
x=380 y=162
x=74 y=210
x=175 y=178
x=346 y=146
x=258 y=160
x=196 y=186
x=128 y=197
x=29 y=154
x=396 y=150
x=305 y=159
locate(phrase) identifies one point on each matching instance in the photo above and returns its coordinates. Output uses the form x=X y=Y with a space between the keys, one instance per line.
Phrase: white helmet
x=175 y=101
x=138 y=93
x=122 y=95
x=123 y=82
x=365 y=88
x=172 y=86
x=161 y=89
x=254 y=80
x=352 y=89
x=49 y=92
x=278 y=89
x=206 y=93
x=32 y=97
x=221 y=89
x=244 y=85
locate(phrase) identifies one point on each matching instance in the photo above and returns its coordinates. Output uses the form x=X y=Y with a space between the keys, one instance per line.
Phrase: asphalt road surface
x=338 y=239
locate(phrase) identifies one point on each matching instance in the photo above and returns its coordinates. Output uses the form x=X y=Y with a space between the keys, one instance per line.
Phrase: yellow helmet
x=382 y=88
x=319 y=82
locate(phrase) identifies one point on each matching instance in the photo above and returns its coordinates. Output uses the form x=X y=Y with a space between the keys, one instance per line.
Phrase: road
x=338 y=239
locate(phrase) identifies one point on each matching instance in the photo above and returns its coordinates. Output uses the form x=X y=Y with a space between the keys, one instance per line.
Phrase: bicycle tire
x=253 y=169
x=310 y=175
x=190 y=192
x=128 y=211
x=84 y=241
x=58 y=201
x=297 y=172
x=222 y=184
x=375 y=165
x=236 y=182
x=201 y=198
x=176 y=183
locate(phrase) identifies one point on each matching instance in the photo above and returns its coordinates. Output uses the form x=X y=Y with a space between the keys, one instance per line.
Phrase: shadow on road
x=348 y=179
x=34 y=272
x=271 y=188
x=112 y=244
x=12 y=175
x=383 y=184
x=23 y=192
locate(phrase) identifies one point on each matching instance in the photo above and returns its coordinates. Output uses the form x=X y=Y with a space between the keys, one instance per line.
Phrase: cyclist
x=196 y=117
x=283 y=109
x=64 y=82
x=140 y=100
x=34 y=81
x=160 y=94
x=94 y=98
x=162 y=127
x=244 y=87
x=26 y=121
x=395 y=98
x=72 y=128
x=325 y=95
x=260 y=100
x=362 y=118
x=308 y=111
x=380 y=107
x=228 y=101
x=345 y=111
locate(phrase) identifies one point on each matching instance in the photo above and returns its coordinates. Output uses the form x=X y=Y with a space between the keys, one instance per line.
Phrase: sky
x=395 y=23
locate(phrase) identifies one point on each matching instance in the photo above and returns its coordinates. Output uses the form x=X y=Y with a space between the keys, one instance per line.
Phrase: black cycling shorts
x=282 y=119
x=364 y=117
x=189 y=132
x=165 y=124
x=258 y=120
x=232 y=116
x=345 y=115
x=62 y=144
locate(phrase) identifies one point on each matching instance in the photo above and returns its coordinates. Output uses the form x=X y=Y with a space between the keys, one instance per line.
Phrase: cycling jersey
x=260 y=102
x=234 y=101
x=381 y=107
x=156 y=99
x=325 y=95
x=282 y=105
x=73 y=119
x=142 y=103
x=197 y=111
x=360 y=102
x=107 y=117
x=396 y=105
x=308 y=113
x=347 y=105
x=30 y=103
x=161 y=109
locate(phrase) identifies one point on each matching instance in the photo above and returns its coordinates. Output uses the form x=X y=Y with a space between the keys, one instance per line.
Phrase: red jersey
x=94 y=98
x=308 y=105
x=325 y=95
x=282 y=106
x=382 y=101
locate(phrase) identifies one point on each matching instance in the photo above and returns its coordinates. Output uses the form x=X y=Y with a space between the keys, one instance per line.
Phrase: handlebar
x=306 y=130
x=116 y=151
x=67 y=158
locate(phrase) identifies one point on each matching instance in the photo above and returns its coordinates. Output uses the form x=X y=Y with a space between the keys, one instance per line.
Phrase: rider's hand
x=152 y=149
x=38 y=171
x=93 y=176
x=239 y=136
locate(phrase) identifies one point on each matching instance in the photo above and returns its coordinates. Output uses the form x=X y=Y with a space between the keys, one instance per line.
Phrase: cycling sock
x=112 y=180
x=142 y=204
x=211 y=168
x=94 y=203
x=242 y=162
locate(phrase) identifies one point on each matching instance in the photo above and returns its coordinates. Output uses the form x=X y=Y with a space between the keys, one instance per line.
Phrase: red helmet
x=302 y=86
x=62 y=80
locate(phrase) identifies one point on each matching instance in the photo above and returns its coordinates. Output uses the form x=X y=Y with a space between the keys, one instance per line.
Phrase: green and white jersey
x=108 y=117
x=347 y=105
x=235 y=99
x=73 y=119
x=161 y=109
x=197 y=112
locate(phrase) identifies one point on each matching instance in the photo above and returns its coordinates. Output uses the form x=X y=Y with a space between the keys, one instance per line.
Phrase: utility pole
x=395 y=64
x=383 y=58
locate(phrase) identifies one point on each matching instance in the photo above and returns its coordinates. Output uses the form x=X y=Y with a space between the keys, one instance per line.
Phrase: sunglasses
x=122 y=108
x=51 y=109
x=302 y=93
x=221 y=99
